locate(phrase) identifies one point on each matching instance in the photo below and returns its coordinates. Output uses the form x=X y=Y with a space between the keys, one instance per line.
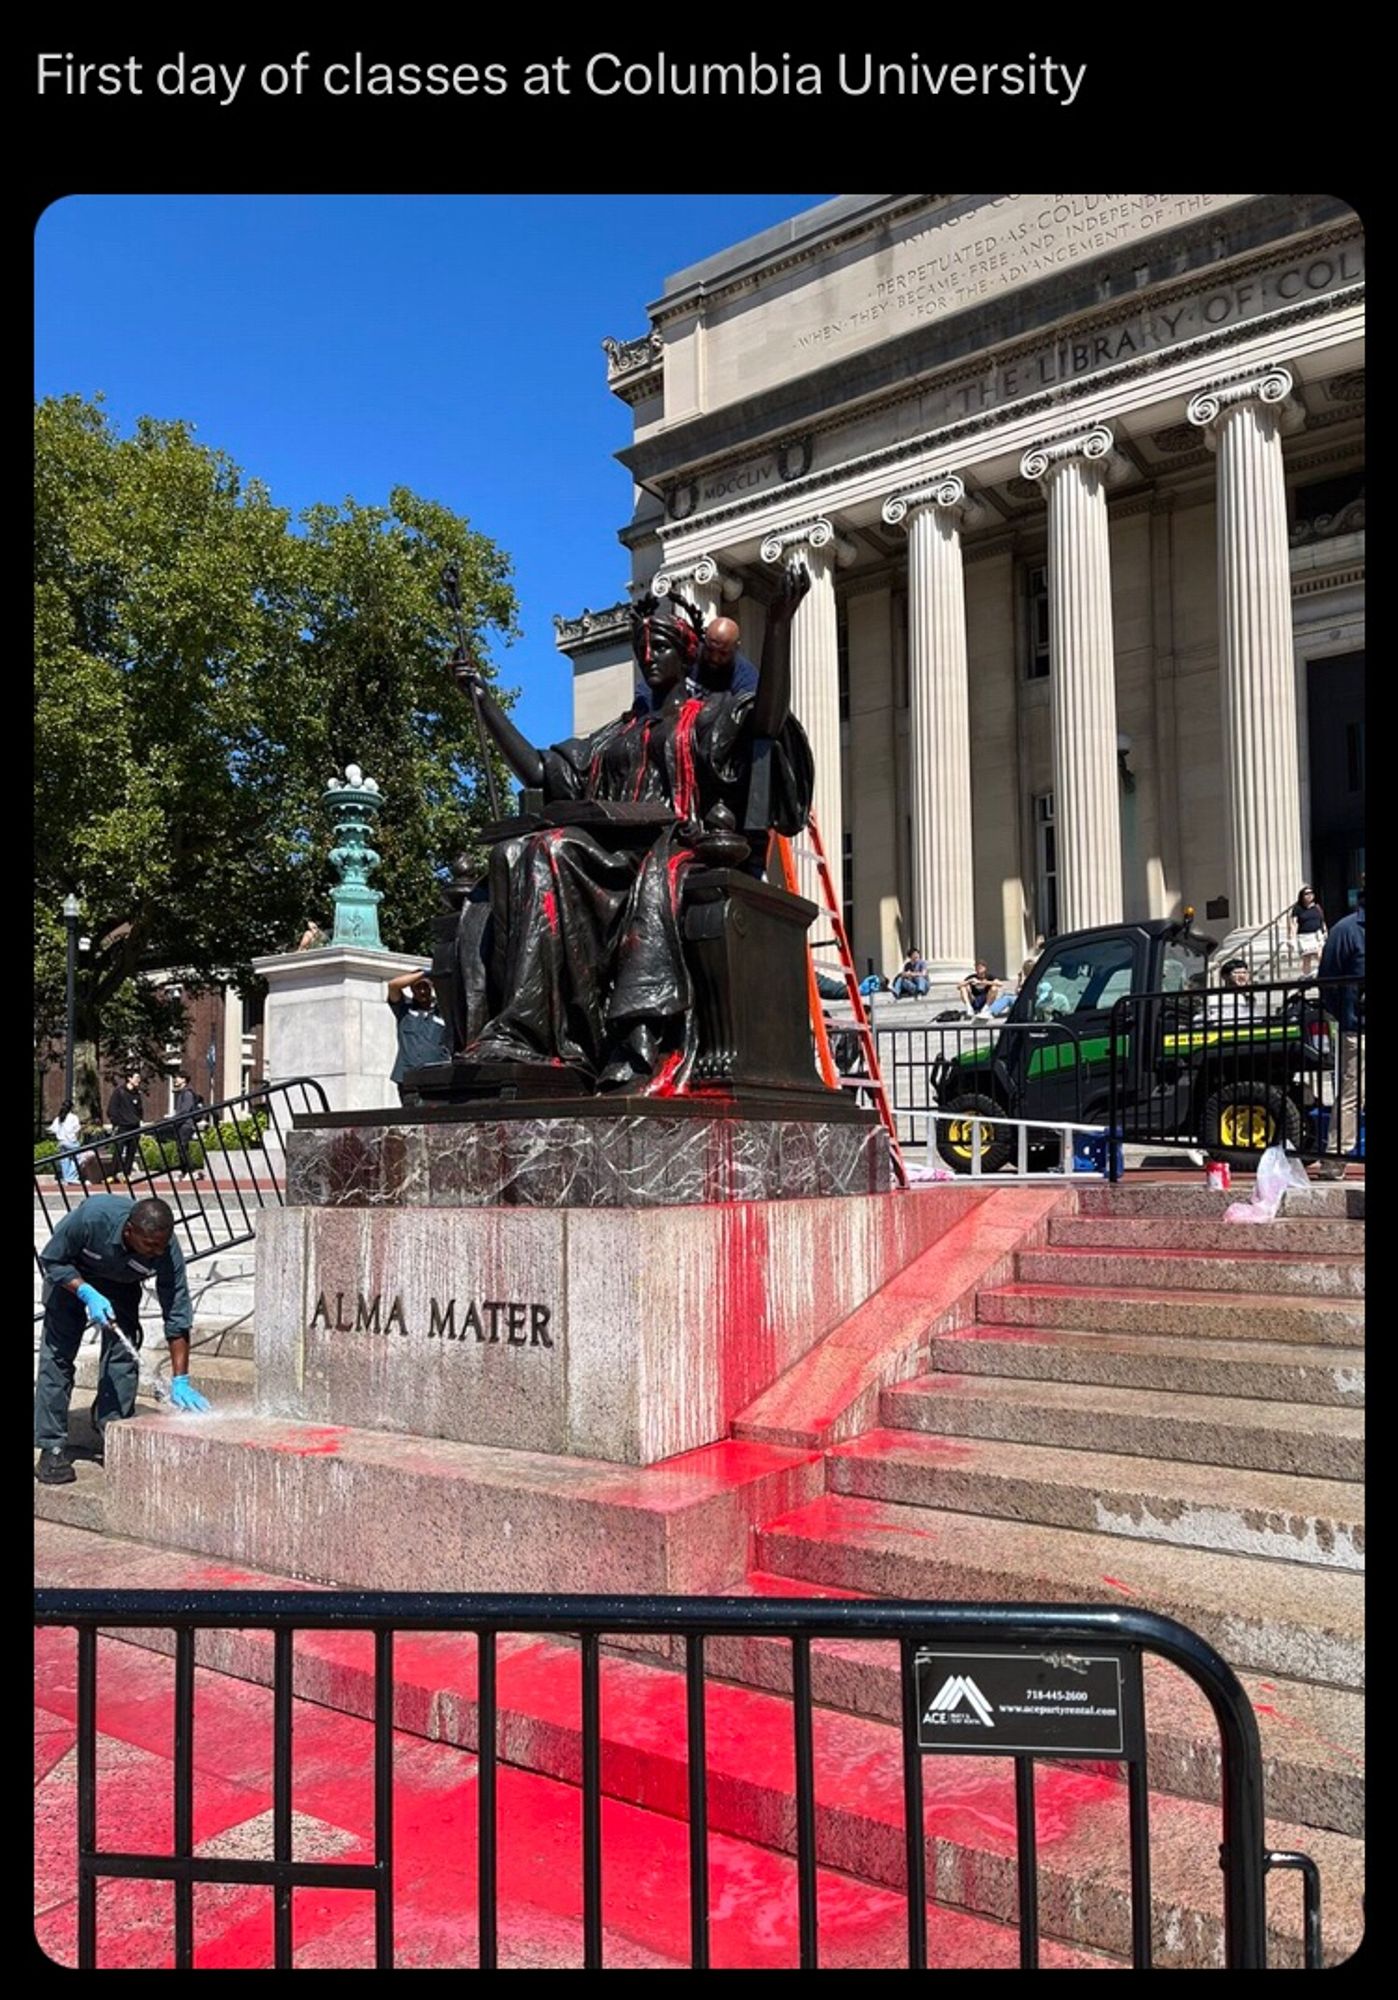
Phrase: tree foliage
x=204 y=666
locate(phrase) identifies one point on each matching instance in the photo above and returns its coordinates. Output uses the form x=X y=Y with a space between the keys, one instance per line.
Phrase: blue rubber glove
x=185 y=1396
x=98 y=1308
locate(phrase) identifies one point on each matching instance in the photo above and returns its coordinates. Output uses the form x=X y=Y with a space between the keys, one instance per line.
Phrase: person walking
x=422 y=1033
x=1306 y=922
x=1343 y=960
x=94 y=1266
x=67 y=1132
x=186 y=1104
x=125 y=1114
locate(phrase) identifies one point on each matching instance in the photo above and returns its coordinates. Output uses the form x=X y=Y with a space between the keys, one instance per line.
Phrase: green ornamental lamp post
x=354 y=803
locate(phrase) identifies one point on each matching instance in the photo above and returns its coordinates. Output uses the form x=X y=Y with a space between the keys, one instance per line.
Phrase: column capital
x=1095 y=447
x=817 y=534
x=945 y=491
x=705 y=571
x=1274 y=388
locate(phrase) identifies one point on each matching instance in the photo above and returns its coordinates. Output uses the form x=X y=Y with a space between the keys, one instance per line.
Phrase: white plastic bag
x=1277 y=1171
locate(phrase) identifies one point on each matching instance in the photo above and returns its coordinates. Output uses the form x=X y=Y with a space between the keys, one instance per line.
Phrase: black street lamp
x=71 y=910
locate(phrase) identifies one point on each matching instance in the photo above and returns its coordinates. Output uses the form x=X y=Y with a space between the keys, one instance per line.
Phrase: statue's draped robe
x=583 y=941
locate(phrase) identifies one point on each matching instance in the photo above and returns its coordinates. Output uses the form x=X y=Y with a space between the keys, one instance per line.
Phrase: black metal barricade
x=1061 y=1681
x=237 y=1142
x=1230 y=1070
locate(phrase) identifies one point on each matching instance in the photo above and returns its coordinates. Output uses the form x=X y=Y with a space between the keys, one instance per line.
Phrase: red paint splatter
x=550 y=908
x=643 y=760
x=1125 y=1588
x=686 y=784
x=312 y=1443
x=663 y=1084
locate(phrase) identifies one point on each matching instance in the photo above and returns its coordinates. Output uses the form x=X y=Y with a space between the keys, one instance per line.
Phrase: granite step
x=1242 y=1269
x=1256 y=1369
x=1266 y=1616
x=377 y=1510
x=968 y=1802
x=1319 y=1522
x=1294 y=1236
x=1174 y=1199
x=1211 y=1315
x=1312 y=1737
x=1315 y=1443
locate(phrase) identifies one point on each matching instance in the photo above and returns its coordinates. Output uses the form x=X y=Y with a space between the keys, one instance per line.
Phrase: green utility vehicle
x=1229 y=1072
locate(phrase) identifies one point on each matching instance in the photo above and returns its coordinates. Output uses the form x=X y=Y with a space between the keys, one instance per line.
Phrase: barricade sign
x=1018 y=1703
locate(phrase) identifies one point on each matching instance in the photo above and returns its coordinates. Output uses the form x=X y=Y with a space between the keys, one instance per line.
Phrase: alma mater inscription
x=492 y=1322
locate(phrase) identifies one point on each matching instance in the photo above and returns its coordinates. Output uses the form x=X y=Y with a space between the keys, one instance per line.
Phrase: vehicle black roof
x=1152 y=927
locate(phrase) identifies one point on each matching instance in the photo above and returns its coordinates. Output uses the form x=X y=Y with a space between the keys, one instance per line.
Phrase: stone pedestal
x=328 y=1017
x=622 y=1333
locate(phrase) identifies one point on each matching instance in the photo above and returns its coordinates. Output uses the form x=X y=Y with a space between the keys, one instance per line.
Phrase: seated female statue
x=584 y=967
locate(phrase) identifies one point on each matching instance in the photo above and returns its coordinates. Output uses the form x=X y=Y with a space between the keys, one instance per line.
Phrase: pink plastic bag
x=1277 y=1171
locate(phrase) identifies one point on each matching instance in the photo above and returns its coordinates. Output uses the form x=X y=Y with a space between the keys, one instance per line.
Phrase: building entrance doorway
x=1335 y=717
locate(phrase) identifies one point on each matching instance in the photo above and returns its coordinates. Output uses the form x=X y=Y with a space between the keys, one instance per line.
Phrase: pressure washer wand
x=162 y=1394
x=451 y=590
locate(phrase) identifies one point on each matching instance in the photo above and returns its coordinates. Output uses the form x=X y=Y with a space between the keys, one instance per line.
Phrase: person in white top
x=67 y=1132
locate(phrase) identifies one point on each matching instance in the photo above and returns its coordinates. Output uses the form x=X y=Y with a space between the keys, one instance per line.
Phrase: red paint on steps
x=1305 y=1729
x=313 y=1442
x=753 y=1899
x=1124 y=1588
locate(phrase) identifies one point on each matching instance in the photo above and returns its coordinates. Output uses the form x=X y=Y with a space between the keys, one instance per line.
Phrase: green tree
x=201 y=669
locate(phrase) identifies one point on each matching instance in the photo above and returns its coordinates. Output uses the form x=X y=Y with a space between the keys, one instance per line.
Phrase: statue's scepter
x=451 y=590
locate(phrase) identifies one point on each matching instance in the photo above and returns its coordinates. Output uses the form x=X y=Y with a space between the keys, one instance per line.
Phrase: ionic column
x=943 y=906
x=704 y=582
x=815 y=684
x=1243 y=422
x=1075 y=471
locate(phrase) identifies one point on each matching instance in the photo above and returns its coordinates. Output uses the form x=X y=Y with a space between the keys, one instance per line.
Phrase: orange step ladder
x=871 y=1082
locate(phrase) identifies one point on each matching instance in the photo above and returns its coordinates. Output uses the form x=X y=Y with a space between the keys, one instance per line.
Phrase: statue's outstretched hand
x=796 y=581
x=468 y=677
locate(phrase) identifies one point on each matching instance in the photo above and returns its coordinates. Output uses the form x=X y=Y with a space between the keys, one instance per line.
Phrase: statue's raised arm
x=772 y=704
x=524 y=760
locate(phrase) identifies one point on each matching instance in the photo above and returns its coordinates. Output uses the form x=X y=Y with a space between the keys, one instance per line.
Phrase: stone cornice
x=592 y=628
x=635 y=368
x=949 y=372
x=719 y=521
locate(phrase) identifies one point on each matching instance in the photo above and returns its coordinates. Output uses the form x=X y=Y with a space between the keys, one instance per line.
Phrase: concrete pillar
x=943 y=902
x=815 y=684
x=1243 y=422
x=874 y=779
x=1087 y=814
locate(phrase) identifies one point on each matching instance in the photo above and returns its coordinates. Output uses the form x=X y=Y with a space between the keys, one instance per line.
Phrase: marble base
x=630 y=1154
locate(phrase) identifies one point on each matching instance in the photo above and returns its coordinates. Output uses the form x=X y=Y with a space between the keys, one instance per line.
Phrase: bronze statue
x=580 y=967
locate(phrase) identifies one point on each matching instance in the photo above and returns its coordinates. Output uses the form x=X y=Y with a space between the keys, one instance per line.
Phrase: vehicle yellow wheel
x=956 y=1139
x=1247 y=1128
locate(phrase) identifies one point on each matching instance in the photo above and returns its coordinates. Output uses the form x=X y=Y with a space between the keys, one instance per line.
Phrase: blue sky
x=340 y=345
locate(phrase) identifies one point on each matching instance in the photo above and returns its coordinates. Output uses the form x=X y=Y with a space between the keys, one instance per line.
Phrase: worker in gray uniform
x=94 y=1266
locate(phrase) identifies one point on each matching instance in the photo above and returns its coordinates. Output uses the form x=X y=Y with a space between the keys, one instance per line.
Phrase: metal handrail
x=1057 y=1633
x=205 y=1222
